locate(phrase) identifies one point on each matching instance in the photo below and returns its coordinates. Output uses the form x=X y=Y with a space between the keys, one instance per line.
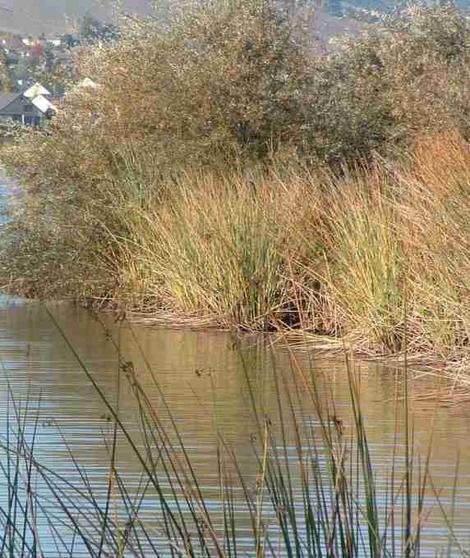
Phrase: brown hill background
x=33 y=17
x=57 y=16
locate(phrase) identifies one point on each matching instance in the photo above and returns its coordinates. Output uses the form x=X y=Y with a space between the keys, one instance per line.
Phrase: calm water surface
x=201 y=376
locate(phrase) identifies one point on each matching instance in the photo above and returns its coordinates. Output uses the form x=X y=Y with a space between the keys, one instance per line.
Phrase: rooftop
x=7 y=98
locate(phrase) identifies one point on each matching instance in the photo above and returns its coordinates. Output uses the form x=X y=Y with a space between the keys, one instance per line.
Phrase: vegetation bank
x=228 y=171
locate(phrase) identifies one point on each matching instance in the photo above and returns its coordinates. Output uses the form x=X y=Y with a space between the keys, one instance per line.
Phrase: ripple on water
x=37 y=364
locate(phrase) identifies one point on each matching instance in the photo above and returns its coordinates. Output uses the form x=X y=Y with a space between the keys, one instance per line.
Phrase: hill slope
x=56 y=16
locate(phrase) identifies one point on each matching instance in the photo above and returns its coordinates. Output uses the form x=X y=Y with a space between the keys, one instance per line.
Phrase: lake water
x=201 y=375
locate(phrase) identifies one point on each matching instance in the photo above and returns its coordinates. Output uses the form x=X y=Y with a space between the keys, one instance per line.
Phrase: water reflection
x=202 y=376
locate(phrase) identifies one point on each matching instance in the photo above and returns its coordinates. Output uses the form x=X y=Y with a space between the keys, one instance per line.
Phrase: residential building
x=30 y=107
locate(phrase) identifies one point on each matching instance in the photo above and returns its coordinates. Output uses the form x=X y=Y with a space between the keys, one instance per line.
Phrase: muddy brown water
x=201 y=375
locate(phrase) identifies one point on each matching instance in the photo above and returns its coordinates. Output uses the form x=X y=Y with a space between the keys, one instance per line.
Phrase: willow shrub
x=225 y=83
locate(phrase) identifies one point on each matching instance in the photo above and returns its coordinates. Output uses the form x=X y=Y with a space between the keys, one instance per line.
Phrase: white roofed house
x=30 y=107
x=55 y=41
x=36 y=90
x=44 y=106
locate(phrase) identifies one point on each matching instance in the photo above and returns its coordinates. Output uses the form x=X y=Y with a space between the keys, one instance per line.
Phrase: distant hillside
x=361 y=8
x=388 y=5
x=56 y=16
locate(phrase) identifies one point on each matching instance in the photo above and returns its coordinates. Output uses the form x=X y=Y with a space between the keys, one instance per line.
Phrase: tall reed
x=330 y=254
x=210 y=245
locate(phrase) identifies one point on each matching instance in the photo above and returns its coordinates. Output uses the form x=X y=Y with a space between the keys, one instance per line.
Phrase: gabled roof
x=43 y=104
x=36 y=90
x=7 y=98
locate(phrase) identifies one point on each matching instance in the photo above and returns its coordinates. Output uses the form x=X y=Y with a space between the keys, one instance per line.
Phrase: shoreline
x=299 y=339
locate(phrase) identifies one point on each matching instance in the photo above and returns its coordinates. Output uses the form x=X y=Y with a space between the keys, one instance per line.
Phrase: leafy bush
x=159 y=108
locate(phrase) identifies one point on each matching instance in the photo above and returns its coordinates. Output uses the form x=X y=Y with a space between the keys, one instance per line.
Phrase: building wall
x=22 y=110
